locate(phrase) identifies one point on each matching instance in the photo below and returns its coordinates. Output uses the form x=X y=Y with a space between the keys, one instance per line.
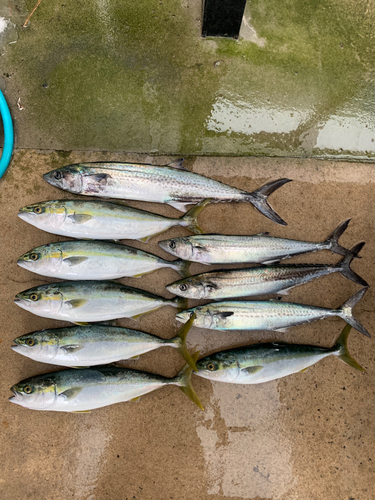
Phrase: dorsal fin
x=178 y=164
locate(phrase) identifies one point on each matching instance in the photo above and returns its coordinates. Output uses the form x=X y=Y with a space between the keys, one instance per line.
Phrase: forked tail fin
x=190 y=221
x=341 y=348
x=181 y=266
x=259 y=199
x=344 y=265
x=181 y=303
x=183 y=380
x=346 y=311
x=332 y=242
x=179 y=341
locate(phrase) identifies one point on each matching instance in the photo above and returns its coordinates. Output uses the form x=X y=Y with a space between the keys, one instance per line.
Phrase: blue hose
x=8 y=135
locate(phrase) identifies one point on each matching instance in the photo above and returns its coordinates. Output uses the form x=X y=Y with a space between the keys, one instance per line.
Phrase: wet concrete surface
x=308 y=436
x=124 y=76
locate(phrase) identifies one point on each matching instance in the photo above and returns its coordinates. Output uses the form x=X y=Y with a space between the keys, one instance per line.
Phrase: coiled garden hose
x=8 y=135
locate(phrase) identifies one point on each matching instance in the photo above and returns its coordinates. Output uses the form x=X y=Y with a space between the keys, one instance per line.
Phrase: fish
x=268 y=314
x=95 y=260
x=262 y=280
x=257 y=249
x=260 y=363
x=80 y=391
x=85 y=346
x=83 y=302
x=104 y=220
x=171 y=184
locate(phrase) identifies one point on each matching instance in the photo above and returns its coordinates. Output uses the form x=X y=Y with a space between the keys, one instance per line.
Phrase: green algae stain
x=136 y=76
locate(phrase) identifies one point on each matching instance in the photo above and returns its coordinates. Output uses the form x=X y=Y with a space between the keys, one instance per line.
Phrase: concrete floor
x=309 y=436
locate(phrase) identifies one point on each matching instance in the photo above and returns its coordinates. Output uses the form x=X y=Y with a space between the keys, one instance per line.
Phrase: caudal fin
x=342 y=349
x=332 y=242
x=344 y=265
x=190 y=221
x=179 y=342
x=183 y=380
x=346 y=311
x=182 y=267
x=181 y=303
x=259 y=199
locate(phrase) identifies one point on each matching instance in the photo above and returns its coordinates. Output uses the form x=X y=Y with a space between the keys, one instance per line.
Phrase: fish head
x=42 y=344
x=36 y=393
x=68 y=178
x=222 y=366
x=44 y=300
x=203 y=317
x=179 y=247
x=45 y=214
x=192 y=288
x=42 y=260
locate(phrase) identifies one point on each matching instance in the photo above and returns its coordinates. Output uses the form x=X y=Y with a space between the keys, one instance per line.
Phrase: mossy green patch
x=136 y=76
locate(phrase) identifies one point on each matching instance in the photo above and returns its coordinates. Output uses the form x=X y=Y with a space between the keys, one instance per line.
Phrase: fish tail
x=344 y=265
x=332 y=242
x=341 y=347
x=259 y=199
x=182 y=267
x=346 y=311
x=181 y=303
x=183 y=380
x=179 y=342
x=190 y=221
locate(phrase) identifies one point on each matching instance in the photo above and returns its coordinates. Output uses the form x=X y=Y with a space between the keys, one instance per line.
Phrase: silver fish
x=96 y=345
x=259 y=248
x=261 y=280
x=268 y=314
x=103 y=220
x=80 y=391
x=171 y=184
x=82 y=302
x=264 y=362
x=94 y=260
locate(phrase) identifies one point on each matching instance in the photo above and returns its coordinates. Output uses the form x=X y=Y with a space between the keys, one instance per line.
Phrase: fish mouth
x=26 y=216
x=48 y=177
x=21 y=303
x=24 y=263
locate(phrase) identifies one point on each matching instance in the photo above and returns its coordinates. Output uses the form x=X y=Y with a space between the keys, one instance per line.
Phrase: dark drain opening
x=222 y=17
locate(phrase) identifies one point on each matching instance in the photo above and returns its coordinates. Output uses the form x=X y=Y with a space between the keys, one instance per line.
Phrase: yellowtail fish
x=261 y=280
x=268 y=314
x=83 y=346
x=258 y=248
x=264 y=362
x=94 y=260
x=80 y=391
x=91 y=301
x=103 y=220
x=171 y=184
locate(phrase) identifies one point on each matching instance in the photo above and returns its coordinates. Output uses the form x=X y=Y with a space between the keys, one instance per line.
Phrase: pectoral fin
x=224 y=314
x=72 y=348
x=74 y=261
x=99 y=177
x=80 y=218
x=71 y=393
x=73 y=304
x=252 y=369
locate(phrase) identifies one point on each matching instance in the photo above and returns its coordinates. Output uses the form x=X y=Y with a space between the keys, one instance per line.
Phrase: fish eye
x=28 y=389
x=57 y=175
x=30 y=342
x=34 y=256
x=183 y=287
x=211 y=367
x=172 y=244
x=34 y=296
x=38 y=210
